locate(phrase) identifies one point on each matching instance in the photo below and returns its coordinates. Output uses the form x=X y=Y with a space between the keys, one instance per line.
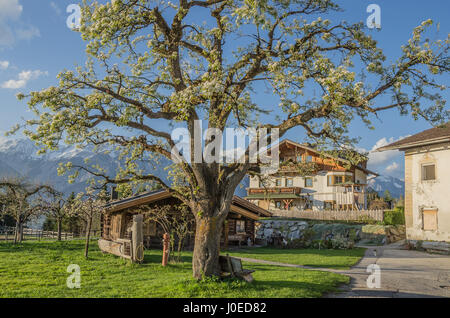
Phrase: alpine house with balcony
x=311 y=180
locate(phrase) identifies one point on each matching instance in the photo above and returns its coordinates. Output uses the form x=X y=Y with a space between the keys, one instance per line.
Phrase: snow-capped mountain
x=382 y=183
x=18 y=158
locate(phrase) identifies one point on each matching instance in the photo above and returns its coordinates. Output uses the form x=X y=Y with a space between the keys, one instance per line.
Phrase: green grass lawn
x=38 y=269
x=337 y=259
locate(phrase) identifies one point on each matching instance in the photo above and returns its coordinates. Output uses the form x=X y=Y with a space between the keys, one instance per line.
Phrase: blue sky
x=35 y=44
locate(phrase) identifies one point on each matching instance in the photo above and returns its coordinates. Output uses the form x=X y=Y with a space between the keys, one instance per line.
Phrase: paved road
x=403 y=274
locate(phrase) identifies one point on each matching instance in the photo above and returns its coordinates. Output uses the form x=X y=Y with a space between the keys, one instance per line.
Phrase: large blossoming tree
x=153 y=65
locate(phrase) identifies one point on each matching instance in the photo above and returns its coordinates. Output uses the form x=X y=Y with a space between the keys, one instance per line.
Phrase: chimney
x=114 y=194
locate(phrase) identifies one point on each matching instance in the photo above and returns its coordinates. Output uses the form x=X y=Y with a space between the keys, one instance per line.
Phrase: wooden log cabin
x=117 y=221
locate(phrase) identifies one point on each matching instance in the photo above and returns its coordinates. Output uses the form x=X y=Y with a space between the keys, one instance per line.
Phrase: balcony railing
x=280 y=190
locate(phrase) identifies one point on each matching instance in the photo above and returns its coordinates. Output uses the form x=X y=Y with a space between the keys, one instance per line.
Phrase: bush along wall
x=394 y=217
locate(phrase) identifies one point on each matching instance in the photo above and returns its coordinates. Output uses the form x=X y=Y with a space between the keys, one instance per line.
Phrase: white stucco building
x=427 y=183
x=332 y=184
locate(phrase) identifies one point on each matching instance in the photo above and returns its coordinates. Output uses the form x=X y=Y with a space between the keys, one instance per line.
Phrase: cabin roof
x=434 y=135
x=238 y=205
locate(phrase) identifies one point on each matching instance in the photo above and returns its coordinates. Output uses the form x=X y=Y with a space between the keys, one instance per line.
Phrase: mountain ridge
x=18 y=158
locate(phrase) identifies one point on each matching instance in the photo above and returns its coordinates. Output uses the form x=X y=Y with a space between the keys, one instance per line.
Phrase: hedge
x=394 y=217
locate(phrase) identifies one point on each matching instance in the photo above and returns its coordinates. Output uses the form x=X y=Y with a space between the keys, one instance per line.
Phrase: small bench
x=231 y=266
x=240 y=238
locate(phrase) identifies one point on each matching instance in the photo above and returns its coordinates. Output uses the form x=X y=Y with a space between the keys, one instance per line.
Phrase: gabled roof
x=365 y=170
x=238 y=201
x=434 y=135
x=144 y=198
x=238 y=205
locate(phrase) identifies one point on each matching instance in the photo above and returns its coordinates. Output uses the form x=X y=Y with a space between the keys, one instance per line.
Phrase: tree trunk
x=88 y=236
x=211 y=206
x=59 y=224
x=17 y=233
x=180 y=249
x=21 y=233
x=205 y=260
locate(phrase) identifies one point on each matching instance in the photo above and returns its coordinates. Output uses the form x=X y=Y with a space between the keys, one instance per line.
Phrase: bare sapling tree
x=87 y=206
x=3 y=205
x=20 y=199
x=175 y=220
x=156 y=65
x=54 y=206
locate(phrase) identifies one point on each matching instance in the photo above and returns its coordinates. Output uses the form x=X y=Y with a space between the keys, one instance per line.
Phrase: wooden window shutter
x=430 y=220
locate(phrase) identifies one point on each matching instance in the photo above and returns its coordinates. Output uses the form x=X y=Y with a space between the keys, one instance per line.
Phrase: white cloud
x=23 y=78
x=378 y=158
x=4 y=65
x=6 y=36
x=3 y=138
x=392 y=167
x=385 y=161
x=10 y=10
x=28 y=33
x=10 y=27
x=55 y=7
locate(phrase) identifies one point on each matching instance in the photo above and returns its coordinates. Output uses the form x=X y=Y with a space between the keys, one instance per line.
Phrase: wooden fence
x=364 y=215
x=7 y=234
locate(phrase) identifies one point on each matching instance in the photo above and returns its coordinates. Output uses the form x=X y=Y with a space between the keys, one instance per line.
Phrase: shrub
x=304 y=242
x=328 y=241
x=308 y=234
x=394 y=217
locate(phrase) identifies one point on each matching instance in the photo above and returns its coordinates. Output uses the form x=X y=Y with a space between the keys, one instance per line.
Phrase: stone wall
x=288 y=230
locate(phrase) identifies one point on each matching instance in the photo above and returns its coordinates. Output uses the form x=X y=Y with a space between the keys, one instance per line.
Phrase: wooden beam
x=244 y=212
x=115 y=248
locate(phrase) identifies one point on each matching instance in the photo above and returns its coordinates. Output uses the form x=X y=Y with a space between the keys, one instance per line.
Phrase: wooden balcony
x=280 y=190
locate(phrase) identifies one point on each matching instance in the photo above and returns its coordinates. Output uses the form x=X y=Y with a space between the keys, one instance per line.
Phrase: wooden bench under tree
x=240 y=238
x=231 y=266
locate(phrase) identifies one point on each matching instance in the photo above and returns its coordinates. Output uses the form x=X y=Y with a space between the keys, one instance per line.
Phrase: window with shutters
x=430 y=220
x=330 y=180
x=428 y=172
x=337 y=180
